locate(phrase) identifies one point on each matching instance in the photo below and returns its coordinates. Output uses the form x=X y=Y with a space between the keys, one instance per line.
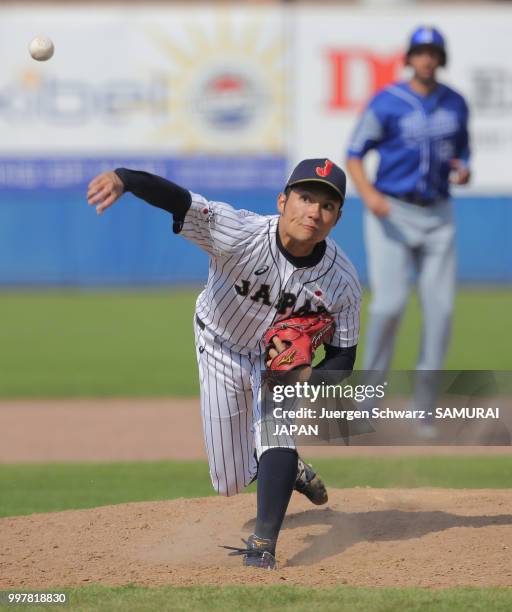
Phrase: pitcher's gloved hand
x=291 y=343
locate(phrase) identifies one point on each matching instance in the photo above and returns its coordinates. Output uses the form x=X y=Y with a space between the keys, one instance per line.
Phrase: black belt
x=200 y=323
x=415 y=198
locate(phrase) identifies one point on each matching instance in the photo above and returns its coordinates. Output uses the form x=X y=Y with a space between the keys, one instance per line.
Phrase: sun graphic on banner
x=226 y=88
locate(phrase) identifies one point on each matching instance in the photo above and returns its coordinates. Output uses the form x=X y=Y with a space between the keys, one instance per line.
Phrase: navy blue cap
x=320 y=171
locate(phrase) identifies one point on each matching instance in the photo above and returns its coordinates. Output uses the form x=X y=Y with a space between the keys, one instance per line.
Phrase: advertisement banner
x=164 y=82
x=342 y=56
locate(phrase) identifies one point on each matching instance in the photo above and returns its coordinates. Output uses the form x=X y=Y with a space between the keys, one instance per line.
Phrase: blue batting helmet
x=428 y=37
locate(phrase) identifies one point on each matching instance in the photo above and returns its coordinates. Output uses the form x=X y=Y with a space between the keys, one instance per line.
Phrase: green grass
x=25 y=489
x=481 y=333
x=457 y=472
x=283 y=598
x=64 y=344
x=75 y=344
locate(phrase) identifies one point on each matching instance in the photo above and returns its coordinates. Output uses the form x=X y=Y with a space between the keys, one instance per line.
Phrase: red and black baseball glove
x=302 y=336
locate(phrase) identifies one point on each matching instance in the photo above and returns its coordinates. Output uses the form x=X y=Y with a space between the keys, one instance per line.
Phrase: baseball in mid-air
x=41 y=48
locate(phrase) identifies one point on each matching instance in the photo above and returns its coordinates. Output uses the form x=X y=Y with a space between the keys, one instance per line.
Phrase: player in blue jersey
x=419 y=129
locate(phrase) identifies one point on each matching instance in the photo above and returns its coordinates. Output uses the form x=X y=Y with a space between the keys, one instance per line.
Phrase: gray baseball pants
x=413 y=243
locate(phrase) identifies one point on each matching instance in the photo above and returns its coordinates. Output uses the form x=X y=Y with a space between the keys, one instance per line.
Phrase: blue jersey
x=416 y=137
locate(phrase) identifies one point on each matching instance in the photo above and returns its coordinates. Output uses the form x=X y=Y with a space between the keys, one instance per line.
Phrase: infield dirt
x=142 y=429
x=368 y=537
x=374 y=537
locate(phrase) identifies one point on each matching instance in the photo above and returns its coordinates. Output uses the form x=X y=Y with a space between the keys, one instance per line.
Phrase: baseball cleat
x=260 y=552
x=310 y=484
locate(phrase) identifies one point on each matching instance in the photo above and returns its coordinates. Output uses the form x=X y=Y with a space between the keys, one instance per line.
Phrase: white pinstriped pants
x=231 y=411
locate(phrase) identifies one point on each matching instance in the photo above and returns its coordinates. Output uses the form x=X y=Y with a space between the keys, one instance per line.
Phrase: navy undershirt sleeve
x=158 y=192
x=337 y=359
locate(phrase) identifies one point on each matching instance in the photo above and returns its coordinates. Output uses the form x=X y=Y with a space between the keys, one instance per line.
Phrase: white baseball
x=41 y=48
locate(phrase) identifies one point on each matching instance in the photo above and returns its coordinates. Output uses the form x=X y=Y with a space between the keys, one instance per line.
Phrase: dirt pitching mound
x=373 y=537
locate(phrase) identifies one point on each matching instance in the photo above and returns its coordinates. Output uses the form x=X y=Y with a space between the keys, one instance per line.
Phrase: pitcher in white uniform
x=262 y=268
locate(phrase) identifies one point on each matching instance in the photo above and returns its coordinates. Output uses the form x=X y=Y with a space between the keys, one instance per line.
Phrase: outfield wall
x=61 y=241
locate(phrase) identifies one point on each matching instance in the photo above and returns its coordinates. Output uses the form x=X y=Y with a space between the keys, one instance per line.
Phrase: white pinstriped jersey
x=251 y=284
